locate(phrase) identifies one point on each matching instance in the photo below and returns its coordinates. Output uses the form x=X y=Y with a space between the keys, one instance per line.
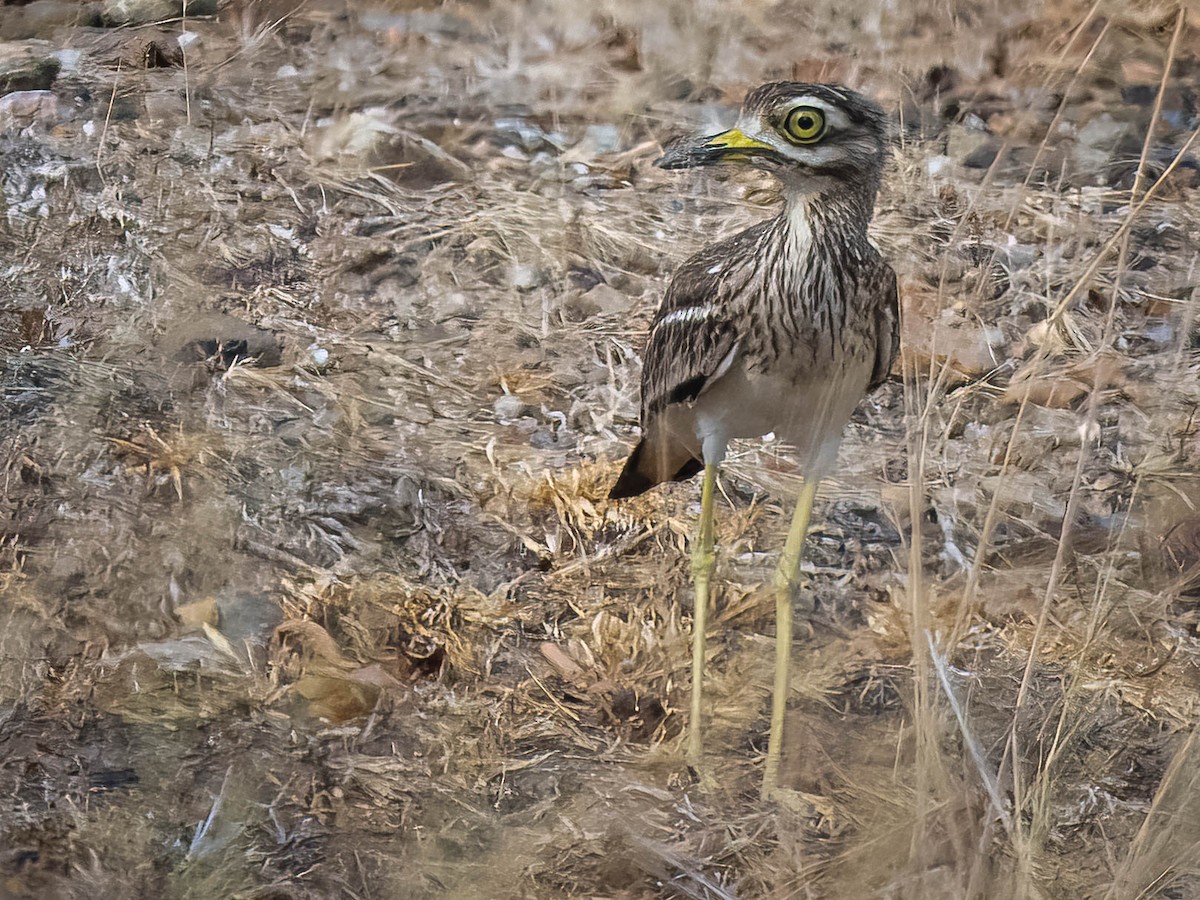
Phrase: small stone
x=318 y=356
x=358 y=134
x=1102 y=132
x=983 y=155
x=509 y=407
x=600 y=300
x=1139 y=94
x=455 y=306
x=547 y=439
x=525 y=278
x=68 y=60
x=963 y=141
x=584 y=277
x=294 y=478
x=246 y=616
x=1097 y=142
x=936 y=165
x=165 y=106
x=39 y=19
x=145 y=12
x=21 y=70
x=1018 y=255
x=419 y=21
x=23 y=108
x=598 y=139
x=528 y=137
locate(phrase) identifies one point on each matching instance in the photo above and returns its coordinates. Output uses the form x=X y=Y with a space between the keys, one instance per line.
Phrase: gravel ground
x=319 y=334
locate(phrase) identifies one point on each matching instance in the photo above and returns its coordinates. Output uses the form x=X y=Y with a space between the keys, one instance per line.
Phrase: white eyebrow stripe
x=834 y=116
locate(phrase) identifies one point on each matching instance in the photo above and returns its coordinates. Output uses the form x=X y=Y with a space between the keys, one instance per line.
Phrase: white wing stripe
x=687 y=314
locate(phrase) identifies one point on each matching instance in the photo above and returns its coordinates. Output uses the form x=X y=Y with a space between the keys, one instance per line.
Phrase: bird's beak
x=728 y=146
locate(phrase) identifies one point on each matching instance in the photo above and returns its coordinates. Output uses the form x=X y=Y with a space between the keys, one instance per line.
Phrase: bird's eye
x=804 y=125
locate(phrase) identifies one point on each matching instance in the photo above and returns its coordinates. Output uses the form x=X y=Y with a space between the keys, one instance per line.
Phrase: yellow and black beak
x=728 y=146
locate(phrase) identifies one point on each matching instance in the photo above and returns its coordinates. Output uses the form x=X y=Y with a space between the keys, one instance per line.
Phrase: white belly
x=810 y=413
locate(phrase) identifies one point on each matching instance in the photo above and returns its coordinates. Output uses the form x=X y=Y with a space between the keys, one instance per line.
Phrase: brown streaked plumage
x=819 y=313
x=783 y=327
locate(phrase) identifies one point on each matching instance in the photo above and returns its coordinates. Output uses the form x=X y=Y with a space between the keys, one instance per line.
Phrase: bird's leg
x=786 y=577
x=702 y=567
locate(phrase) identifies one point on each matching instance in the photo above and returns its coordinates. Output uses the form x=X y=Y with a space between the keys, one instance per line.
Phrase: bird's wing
x=692 y=338
x=887 y=326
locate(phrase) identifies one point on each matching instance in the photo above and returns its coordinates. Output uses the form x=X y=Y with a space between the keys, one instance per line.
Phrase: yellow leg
x=702 y=567
x=786 y=577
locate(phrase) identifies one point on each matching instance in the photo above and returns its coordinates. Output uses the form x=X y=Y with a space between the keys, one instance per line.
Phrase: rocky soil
x=319 y=335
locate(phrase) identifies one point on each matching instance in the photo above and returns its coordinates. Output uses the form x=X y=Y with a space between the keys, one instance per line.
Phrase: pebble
x=68 y=60
x=456 y=305
x=983 y=155
x=21 y=109
x=936 y=165
x=21 y=70
x=525 y=135
x=525 y=278
x=1161 y=332
x=418 y=21
x=39 y=18
x=246 y=616
x=599 y=139
x=318 y=356
x=970 y=145
x=509 y=407
x=600 y=300
x=145 y=12
x=1097 y=141
x=294 y=478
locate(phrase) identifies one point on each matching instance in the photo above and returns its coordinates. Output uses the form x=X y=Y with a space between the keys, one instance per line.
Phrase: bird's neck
x=837 y=214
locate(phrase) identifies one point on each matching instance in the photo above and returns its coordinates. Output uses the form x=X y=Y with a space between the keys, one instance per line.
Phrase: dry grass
x=312 y=396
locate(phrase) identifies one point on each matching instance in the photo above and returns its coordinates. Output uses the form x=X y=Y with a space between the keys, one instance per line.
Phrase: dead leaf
x=198 y=613
x=562 y=663
x=933 y=342
x=1138 y=71
x=375 y=675
x=337 y=699
x=1058 y=390
x=220 y=641
x=314 y=642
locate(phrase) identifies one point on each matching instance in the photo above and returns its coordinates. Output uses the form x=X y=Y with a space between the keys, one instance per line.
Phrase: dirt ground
x=319 y=334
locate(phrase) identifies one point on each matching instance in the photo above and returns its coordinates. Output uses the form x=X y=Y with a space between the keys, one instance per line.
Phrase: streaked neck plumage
x=829 y=210
x=813 y=256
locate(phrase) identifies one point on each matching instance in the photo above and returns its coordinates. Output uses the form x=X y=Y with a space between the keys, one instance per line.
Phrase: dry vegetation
x=318 y=351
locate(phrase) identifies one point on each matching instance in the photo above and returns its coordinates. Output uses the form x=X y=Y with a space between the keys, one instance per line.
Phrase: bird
x=781 y=328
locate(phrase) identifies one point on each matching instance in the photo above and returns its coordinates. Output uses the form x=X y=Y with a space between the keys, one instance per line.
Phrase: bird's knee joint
x=788 y=575
x=786 y=585
x=702 y=563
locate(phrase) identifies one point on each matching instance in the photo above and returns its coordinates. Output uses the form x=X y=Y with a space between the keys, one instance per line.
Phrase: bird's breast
x=806 y=407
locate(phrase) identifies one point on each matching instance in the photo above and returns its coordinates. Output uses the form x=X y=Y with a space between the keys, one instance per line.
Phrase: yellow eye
x=804 y=125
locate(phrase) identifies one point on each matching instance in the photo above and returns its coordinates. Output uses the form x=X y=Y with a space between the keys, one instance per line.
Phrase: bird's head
x=809 y=135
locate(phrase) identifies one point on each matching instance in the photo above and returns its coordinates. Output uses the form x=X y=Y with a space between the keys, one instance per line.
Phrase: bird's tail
x=652 y=462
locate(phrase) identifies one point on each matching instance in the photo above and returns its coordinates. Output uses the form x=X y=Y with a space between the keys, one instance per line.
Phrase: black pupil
x=805 y=122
